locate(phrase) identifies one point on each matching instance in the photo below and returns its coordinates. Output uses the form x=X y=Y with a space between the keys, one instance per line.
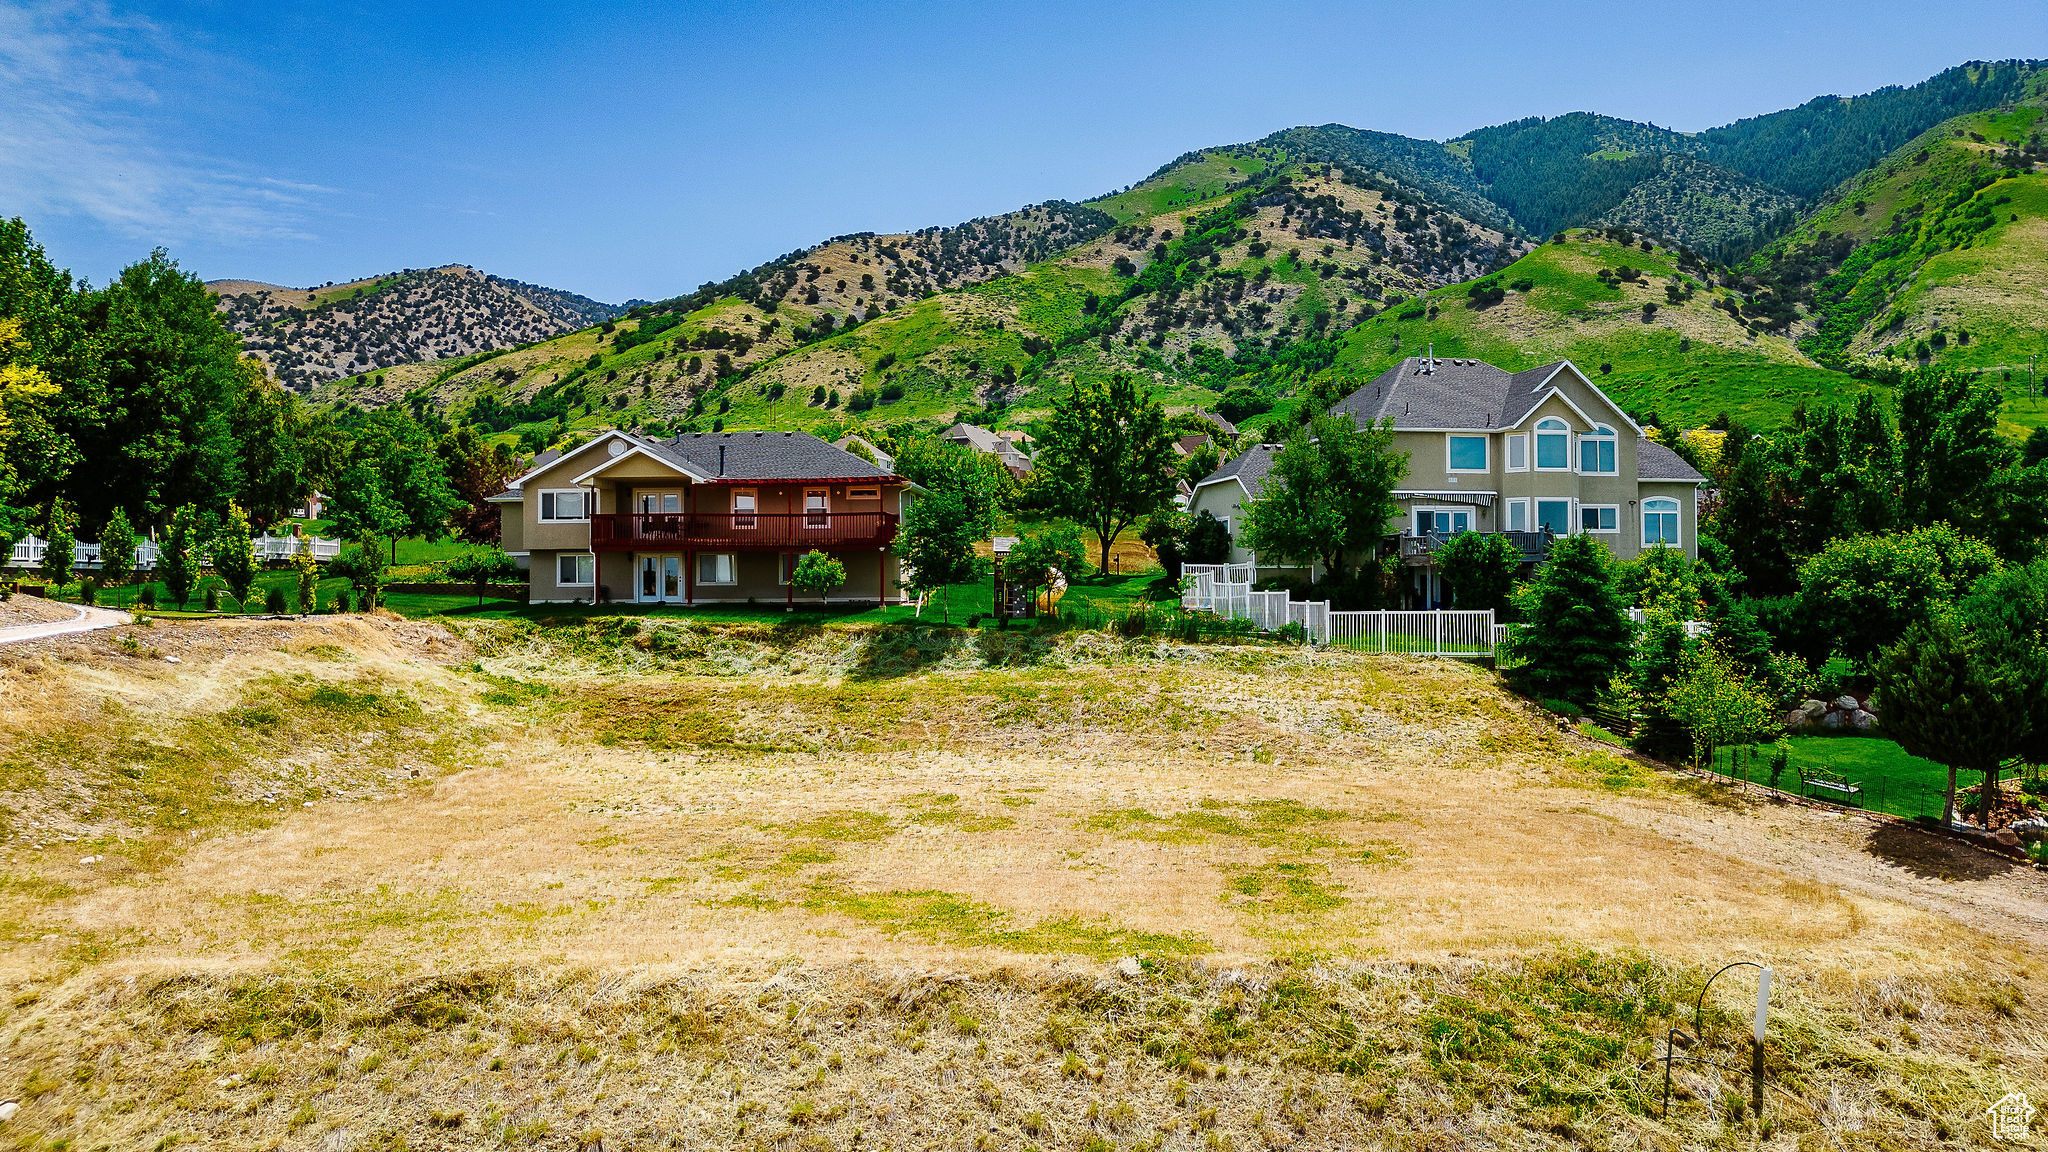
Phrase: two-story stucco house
x=702 y=517
x=1534 y=454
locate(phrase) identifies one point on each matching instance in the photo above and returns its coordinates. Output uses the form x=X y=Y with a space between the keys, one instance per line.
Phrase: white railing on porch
x=1226 y=590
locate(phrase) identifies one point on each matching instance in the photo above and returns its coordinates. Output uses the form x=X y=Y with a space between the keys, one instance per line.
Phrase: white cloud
x=81 y=134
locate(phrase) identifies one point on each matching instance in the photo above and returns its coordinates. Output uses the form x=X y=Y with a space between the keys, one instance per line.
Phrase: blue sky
x=636 y=150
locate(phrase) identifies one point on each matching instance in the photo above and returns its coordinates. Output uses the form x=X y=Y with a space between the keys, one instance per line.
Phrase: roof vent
x=721 y=459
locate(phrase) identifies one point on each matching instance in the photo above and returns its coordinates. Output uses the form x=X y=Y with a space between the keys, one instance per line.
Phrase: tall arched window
x=1553 y=445
x=1660 y=522
x=1596 y=451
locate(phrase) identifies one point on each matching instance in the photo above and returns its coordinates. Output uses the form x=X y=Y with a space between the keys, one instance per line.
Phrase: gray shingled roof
x=767 y=456
x=1656 y=462
x=1248 y=468
x=1454 y=394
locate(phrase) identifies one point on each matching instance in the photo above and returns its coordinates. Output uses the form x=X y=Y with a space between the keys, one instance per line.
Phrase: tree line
x=131 y=404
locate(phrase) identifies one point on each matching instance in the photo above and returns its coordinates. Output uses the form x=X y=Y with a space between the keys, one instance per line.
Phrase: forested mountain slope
x=309 y=336
x=1331 y=233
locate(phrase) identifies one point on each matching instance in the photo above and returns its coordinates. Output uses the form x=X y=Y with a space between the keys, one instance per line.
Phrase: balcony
x=1420 y=551
x=740 y=531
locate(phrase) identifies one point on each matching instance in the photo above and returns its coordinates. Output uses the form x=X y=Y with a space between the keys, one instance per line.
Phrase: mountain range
x=1739 y=271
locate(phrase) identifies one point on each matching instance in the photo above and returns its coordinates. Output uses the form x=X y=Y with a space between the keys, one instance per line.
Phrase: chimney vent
x=721 y=459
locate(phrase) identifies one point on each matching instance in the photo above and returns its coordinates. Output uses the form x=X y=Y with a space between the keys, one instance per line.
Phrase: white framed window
x=564 y=505
x=1518 y=516
x=746 y=505
x=575 y=569
x=1556 y=515
x=1596 y=452
x=1442 y=521
x=717 y=568
x=1553 y=445
x=1518 y=452
x=1660 y=523
x=1599 y=518
x=1465 y=453
x=817 y=508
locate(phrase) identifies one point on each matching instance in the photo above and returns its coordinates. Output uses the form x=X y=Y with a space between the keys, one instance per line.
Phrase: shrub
x=212 y=600
x=274 y=602
x=341 y=600
x=147 y=597
x=88 y=591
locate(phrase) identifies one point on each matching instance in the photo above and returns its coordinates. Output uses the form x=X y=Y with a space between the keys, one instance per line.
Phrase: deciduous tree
x=1329 y=495
x=1109 y=454
x=234 y=554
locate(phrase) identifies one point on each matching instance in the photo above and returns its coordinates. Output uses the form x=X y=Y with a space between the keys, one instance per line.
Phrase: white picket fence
x=28 y=551
x=1226 y=590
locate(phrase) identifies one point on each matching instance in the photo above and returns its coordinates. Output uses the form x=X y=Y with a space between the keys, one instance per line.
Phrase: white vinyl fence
x=1226 y=590
x=28 y=551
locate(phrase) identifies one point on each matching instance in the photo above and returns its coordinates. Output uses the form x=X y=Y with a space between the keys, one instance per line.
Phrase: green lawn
x=1893 y=780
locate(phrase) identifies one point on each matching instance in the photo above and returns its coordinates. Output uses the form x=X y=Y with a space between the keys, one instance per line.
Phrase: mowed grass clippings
x=673 y=886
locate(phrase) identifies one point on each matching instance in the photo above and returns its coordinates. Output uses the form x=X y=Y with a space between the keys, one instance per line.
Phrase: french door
x=661 y=579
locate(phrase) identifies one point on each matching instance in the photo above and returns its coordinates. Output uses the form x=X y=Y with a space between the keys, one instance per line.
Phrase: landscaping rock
x=1846 y=703
x=1832 y=720
x=1813 y=708
x=1797 y=720
x=2030 y=828
x=1864 y=721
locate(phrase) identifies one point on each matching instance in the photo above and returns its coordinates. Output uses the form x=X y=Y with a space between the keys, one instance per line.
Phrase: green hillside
x=1689 y=361
x=1937 y=255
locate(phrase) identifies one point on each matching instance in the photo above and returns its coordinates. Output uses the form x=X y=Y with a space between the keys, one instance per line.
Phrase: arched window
x=1596 y=451
x=1660 y=522
x=1553 y=445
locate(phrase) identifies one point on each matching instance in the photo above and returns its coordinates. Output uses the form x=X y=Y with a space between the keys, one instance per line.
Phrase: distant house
x=1225 y=492
x=701 y=518
x=1012 y=448
x=866 y=449
x=1222 y=425
x=1191 y=443
x=1535 y=455
x=311 y=508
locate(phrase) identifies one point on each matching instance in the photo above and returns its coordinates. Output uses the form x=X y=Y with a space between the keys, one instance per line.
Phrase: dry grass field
x=369 y=883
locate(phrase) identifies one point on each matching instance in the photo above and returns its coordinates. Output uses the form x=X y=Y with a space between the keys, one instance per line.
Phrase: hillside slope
x=1937 y=255
x=830 y=336
x=1687 y=359
x=309 y=336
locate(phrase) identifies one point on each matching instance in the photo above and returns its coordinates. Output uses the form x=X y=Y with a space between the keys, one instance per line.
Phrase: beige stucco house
x=1534 y=454
x=701 y=518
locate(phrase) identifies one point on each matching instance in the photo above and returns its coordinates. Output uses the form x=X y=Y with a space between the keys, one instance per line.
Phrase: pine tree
x=1575 y=633
x=1942 y=698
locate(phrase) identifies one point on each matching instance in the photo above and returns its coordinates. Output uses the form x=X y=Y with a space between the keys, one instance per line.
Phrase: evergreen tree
x=1575 y=634
x=234 y=555
x=60 y=552
x=179 y=557
x=307 y=572
x=1943 y=699
x=117 y=550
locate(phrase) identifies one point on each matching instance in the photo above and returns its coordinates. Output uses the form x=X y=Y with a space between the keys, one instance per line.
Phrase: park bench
x=1835 y=782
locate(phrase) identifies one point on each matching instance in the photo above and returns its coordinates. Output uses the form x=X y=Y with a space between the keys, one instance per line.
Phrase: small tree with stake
x=817 y=573
x=307 y=570
x=180 y=557
x=1716 y=705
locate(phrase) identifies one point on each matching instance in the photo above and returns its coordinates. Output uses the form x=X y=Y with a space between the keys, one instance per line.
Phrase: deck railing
x=649 y=531
x=1420 y=549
